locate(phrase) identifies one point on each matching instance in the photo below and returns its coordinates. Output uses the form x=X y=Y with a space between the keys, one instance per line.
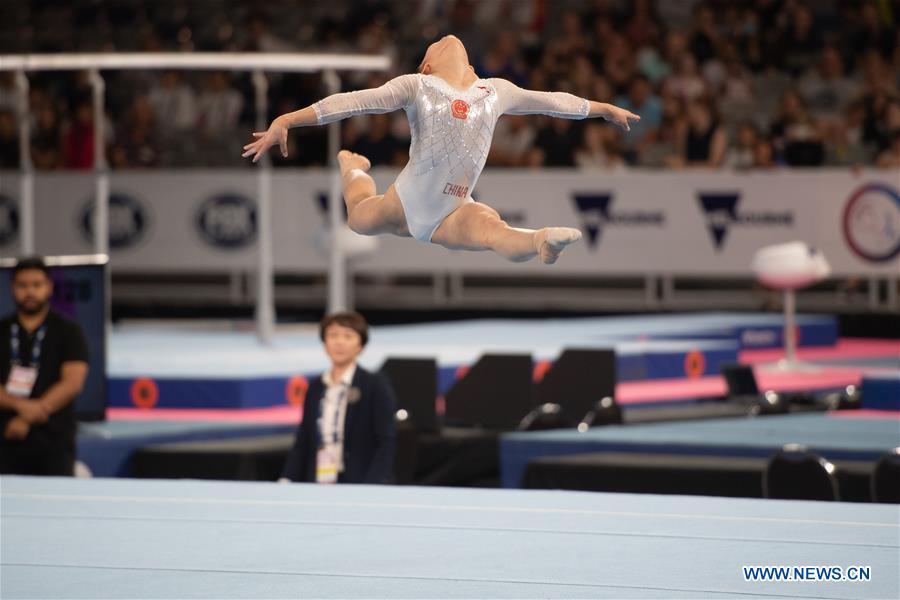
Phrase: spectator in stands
x=347 y=433
x=513 y=138
x=556 y=142
x=889 y=149
x=174 y=107
x=686 y=82
x=218 y=111
x=378 y=144
x=78 y=140
x=643 y=25
x=263 y=40
x=619 y=61
x=600 y=149
x=9 y=98
x=705 y=35
x=763 y=155
x=845 y=144
x=769 y=86
x=640 y=100
x=138 y=140
x=800 y=43
x=742 y=152
x=890 y=157
x=826 y=90
x=702 y=141
x=796 y=137
x=503 y=59
x=662 y=149
x=873 y=31
x=43 y=366
x=46 y=141
x=9 y=141
x=736 y=101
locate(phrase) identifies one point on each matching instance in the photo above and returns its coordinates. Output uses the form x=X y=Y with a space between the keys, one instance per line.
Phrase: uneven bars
x=225 y=61
x=231 y=61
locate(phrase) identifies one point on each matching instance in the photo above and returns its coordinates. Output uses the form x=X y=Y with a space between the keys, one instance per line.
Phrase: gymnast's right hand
x=277 y=134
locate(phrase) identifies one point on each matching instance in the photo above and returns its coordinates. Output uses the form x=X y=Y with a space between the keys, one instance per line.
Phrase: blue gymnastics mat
x=215 y=367
x=833 y=437
x=65 y=538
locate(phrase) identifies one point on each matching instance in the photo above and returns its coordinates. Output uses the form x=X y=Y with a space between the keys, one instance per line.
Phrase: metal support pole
x=892 y=295
x=337 y=266
x=101 y=198
x=26 y=181
x=790 y=329
x=651 y=291
x=668 y=289
x=265 y=277
x=874 y=285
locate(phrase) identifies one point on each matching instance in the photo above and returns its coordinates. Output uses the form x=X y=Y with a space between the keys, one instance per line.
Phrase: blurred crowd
x=737 y=84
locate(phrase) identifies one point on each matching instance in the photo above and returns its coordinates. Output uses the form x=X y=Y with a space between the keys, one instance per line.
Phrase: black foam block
x=415 y=385
x=578 y=379
x=496 y=393
x=740 y=380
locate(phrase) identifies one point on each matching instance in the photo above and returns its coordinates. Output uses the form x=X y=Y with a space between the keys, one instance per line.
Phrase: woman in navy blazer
x=368 y=424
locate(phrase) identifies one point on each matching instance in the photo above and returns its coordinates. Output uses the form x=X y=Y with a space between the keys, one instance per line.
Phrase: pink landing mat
x=272 y=414
x=864 y=413
x=846 y=348
x=829 y=377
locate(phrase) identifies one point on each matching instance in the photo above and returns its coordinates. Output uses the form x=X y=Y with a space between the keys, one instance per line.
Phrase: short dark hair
x=30 y=263
x=350 y=319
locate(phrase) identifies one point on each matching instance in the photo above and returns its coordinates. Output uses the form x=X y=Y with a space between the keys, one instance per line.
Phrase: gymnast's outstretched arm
x=395 y=94
x=517 y=101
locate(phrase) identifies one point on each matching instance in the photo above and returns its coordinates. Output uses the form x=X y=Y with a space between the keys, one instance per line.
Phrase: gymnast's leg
x=477 y=226
x=369 y=213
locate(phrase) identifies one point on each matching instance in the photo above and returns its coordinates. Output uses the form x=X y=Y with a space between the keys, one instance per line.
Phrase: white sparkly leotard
x=451 y=133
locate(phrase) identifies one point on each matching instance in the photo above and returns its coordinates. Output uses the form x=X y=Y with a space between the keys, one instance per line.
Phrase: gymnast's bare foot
x=550 y=242
x=352 y=160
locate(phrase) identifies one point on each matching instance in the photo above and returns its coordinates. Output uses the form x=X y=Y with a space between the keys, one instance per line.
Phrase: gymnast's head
x=445 y=55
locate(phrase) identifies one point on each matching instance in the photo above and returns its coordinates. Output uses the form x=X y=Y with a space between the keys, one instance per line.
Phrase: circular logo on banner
x=295 y=390
x=9 y=220
x=227 y=221
x=694 y=364
x=872 y=222
x=460 y=109
x=127 y=221
x=144 y=393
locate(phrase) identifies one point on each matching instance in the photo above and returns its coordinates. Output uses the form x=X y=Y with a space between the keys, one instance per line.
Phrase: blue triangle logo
x=594 y=212
x=721 y=212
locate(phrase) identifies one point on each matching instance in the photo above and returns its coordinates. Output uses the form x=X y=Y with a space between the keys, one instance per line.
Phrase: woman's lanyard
x=337 y=432
x=36 y=345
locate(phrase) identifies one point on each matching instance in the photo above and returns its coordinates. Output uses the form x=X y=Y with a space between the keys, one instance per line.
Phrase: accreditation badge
x=327 y=465
x=21 y=381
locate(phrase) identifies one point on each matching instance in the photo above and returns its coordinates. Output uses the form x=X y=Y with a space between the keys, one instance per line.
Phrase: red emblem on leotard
x=460 y=109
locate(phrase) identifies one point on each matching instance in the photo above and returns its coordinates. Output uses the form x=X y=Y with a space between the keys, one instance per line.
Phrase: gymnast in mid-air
x=452 y=114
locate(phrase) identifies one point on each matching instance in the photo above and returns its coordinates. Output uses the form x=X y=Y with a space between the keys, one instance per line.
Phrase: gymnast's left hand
x=621 y=117
x=276 y=134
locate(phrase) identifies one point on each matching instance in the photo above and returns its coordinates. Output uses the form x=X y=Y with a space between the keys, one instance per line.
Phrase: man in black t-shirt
x=43 y=366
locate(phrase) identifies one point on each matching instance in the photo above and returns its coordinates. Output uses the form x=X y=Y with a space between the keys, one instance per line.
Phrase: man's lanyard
x=36 y=345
